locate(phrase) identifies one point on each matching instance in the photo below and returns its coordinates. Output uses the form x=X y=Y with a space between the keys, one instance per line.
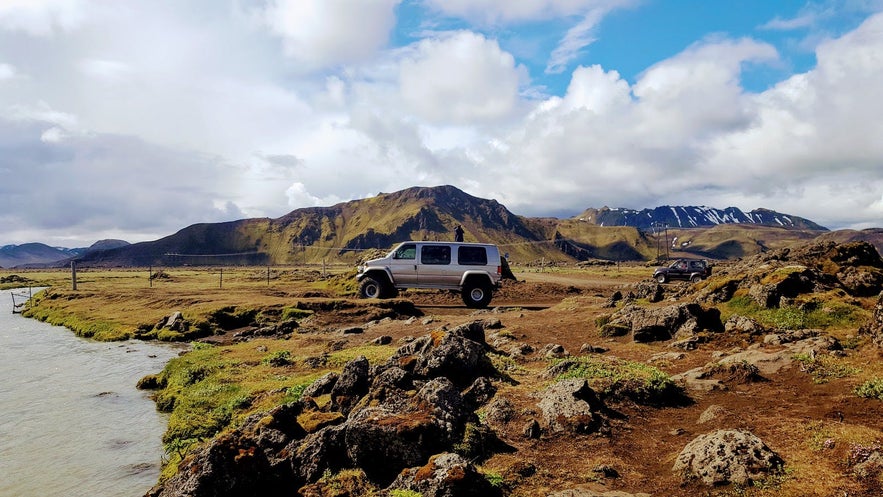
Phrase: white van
x=474 y=269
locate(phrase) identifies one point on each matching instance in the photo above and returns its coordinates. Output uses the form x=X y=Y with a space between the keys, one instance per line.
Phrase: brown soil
x=791 y=413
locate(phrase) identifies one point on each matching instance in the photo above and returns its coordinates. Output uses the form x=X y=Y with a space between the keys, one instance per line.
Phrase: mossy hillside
x=122 y=304
x=726 y=241
x=213 y=388
x=831 y=311
x=608 y=242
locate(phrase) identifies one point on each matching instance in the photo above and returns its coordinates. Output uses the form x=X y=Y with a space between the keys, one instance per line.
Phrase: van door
x=435 y=265
x=403 y=264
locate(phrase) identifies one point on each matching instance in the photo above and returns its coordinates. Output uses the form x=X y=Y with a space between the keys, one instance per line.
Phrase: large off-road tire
x=662 y=278
x=371 y=288
x=476 y=294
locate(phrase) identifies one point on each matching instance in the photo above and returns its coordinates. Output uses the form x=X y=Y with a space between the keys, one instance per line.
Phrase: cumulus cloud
x=460 y=78
x=321 y=33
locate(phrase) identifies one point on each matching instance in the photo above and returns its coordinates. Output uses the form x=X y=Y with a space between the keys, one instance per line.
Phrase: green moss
x=294 y=313
x=101 y=330
x=620 y=378
x=829 y=313
x=404 y=493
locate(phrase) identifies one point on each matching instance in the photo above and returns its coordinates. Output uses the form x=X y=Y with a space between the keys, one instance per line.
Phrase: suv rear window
x=697 y=265
x=435 y=254
x=472 y=256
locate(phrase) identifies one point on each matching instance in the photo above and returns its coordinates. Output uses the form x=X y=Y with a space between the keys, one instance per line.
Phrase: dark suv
x=683 y=269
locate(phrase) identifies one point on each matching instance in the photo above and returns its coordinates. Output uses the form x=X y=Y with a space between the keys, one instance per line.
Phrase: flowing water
x=72 y=422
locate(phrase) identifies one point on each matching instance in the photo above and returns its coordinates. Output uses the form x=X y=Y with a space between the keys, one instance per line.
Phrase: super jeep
x=692 y=270
x=473 y=269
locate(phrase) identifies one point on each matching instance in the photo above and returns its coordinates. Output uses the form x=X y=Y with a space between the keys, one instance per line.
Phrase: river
x=72 y=422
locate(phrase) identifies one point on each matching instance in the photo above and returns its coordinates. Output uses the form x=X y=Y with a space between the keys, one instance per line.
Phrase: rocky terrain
x=763 y=380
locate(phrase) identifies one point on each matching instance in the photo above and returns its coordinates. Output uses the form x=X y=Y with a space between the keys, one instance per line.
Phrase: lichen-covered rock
x=247 y=461
x=650 y=290
x=349 y=483
x=445 y=475
x=322 y=386
x=586 y=492
x=663 y=323
x=351 y=385
x=384 y=439
x=874 y=326
x=479 y=393
x=322 y=451
x=500 y=410
x=727 y=456
x=459 y=354
x=571 y=406
x=743 y=324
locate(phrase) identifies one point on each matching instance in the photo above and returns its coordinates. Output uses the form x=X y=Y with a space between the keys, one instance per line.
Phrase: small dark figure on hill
x=458 y=233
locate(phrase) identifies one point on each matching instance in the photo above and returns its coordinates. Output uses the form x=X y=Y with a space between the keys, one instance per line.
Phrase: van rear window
x=435 y=254
x=472 y=256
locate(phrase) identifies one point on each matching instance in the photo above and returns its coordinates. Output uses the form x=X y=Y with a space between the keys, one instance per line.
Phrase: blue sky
x=134 y=118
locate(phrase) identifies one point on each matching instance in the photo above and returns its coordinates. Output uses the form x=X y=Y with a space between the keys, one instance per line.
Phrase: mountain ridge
x=341 y=232
x=693 y=217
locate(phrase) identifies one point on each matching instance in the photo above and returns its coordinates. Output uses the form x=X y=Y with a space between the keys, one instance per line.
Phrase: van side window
x=435 y=254
x=472 y=256
x=408 y=251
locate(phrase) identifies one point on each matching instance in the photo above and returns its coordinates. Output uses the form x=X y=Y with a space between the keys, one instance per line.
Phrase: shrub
x=824 y=368
x=871 y=389
x=278 y=359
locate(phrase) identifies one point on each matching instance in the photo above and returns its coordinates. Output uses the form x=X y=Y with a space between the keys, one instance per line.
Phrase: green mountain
x=341 y=233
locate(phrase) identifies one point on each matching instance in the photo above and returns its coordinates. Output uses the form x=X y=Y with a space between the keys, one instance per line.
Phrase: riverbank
x=73 y=421
x=664 y=366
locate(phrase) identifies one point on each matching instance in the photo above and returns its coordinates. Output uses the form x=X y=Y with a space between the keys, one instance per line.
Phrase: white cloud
x=504 y=12
x=148 y=116
x=299 y=197
x=7 y=71
x=109 y=71
x=53 y=135
x=577 y=38
x=460 y=78
x=93 y=183
x=323 y=33
x=41 y=17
